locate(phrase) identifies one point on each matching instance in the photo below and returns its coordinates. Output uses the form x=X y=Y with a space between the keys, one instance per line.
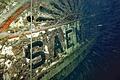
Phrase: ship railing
x=18 y=34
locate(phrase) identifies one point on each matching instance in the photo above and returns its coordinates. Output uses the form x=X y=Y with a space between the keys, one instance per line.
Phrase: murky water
x=103 y=62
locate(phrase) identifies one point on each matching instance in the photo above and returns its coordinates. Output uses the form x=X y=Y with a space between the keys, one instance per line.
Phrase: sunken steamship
x=42 y=39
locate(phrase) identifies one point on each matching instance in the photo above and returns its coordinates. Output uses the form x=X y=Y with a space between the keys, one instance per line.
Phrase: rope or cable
x=31 y=44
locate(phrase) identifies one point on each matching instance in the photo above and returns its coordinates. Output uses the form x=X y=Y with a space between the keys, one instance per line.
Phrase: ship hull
x=61 y=71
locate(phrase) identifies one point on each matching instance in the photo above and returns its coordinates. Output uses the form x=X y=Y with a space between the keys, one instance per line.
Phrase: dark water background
x=103 y=61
